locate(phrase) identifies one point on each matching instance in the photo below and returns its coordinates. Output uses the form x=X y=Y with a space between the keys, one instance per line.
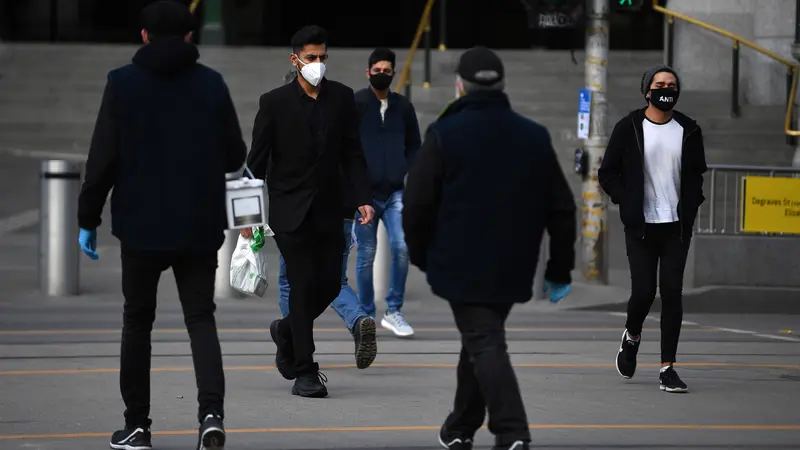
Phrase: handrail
x=423 y=24
x=793 y=66
x=193 y=5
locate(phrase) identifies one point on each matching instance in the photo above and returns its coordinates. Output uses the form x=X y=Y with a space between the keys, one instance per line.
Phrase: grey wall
x=751 y=261
x=703 y=58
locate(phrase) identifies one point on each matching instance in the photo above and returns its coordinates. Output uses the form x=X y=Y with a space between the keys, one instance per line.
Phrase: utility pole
x=594 y=225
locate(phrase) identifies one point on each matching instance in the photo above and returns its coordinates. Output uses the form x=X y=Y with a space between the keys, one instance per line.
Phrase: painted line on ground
x=402 y=365
x=19 y=221
x=44 y=154
x=723 y=329
x=417 y=428
x=72 y=332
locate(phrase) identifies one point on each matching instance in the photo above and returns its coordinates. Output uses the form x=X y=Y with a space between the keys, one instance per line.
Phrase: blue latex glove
x=557 y=291
x=88 y=241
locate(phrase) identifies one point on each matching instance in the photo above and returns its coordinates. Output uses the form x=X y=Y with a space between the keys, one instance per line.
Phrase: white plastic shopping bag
x=249 y=270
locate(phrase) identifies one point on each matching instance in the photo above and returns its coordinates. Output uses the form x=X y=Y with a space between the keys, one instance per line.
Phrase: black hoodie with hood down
x=166 y=135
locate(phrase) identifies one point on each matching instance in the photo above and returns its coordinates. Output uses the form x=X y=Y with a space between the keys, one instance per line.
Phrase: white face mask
x=312 y=72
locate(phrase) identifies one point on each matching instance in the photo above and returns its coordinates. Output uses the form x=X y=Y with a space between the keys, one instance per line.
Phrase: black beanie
x=647 y=78
x=167 y=18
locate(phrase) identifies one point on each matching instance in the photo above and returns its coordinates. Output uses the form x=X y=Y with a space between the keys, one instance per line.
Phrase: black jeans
x=194 y=275
x=314 y=271
x=662 y=247
x=485 y=377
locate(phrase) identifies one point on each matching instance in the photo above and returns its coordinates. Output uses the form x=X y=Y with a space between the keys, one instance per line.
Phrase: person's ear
x=145 y=37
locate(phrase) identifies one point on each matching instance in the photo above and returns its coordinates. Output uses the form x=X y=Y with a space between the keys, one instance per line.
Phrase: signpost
x=770 y=205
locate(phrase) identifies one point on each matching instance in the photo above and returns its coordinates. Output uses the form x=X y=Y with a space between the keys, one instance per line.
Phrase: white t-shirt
x=663 y=145
x=384 y=107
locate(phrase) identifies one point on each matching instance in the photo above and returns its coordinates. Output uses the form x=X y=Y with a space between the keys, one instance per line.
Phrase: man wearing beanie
x=478 y=244
x=390 y=138
x=166 y=135
x=653 y=169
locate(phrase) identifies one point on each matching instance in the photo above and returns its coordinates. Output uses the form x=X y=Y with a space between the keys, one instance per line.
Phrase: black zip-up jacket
x=622 y=173
x=166 y=134
x=482 y=191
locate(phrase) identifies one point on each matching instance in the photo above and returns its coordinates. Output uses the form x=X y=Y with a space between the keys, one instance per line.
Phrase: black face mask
x=380 y=81
x=664 y=98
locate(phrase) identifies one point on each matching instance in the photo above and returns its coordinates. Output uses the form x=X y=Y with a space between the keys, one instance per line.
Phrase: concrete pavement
x=59 y=361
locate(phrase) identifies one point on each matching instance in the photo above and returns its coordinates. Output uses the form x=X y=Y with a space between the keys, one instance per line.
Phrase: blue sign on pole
x=585 y=102
x=584 y=113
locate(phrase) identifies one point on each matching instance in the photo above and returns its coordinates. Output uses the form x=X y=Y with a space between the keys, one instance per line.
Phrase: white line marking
x=19 y=221
x=734 y=330
x=780 y=338
x=727 y=330
x=44 y=154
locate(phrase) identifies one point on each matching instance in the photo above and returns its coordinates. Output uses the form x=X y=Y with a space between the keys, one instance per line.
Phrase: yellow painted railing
x=424 y=24
x=793 y=68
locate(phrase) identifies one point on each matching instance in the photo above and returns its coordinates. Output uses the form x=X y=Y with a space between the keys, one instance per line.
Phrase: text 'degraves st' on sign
x=770 y=205
x=584 y=113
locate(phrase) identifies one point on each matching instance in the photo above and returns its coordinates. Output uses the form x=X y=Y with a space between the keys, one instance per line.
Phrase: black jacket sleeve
x=610 y=173
x=235 y=148
x=700 y=165
x=561 y=223
x=353 y=160
x=101 y=164
x=413 y=140
x=422 y=198
x=258 y=157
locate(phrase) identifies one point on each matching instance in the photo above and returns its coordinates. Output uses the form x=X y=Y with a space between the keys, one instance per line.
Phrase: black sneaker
x=311 y=385
x=131 y=439
x=366 y=344
x=518 y=445
x=453 y=442
x=626 y=357
x=671 y=382
x=284 y=357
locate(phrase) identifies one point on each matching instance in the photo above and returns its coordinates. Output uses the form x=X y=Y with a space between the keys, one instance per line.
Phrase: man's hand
x=246 y=232
x=88 y=242
x=367 y=213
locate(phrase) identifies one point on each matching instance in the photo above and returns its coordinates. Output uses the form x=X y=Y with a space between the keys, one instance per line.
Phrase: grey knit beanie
x=647 y=78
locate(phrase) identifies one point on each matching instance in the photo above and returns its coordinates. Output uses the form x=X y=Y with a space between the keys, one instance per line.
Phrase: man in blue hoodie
x=390 y=138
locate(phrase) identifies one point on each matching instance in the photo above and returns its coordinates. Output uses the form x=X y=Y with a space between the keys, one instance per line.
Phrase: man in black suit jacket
x=303 y=134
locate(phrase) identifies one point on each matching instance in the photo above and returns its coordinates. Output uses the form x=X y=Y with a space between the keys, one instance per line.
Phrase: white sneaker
x=397 y=323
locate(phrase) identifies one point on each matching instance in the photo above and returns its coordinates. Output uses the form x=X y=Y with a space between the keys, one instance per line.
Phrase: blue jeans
x=391 y=213
x=346 y=304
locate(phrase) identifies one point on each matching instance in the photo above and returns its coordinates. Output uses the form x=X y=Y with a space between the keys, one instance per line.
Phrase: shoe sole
x=367 y=348
x=674 y=390
x=213 y=439
x=129 y=447
x=616 y=360
x=318 y=394
x=398 y=333
x=441 y=442
x=285 y=373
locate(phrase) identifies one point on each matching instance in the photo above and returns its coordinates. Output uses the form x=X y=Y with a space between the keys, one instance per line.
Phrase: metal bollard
x=59 y=252
x=383 y=262
x=541 y=266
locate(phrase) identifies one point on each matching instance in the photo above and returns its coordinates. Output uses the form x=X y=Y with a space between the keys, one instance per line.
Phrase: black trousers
x=194 y=275
x=485 y=377
x=658 y=260
x=314 y=271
